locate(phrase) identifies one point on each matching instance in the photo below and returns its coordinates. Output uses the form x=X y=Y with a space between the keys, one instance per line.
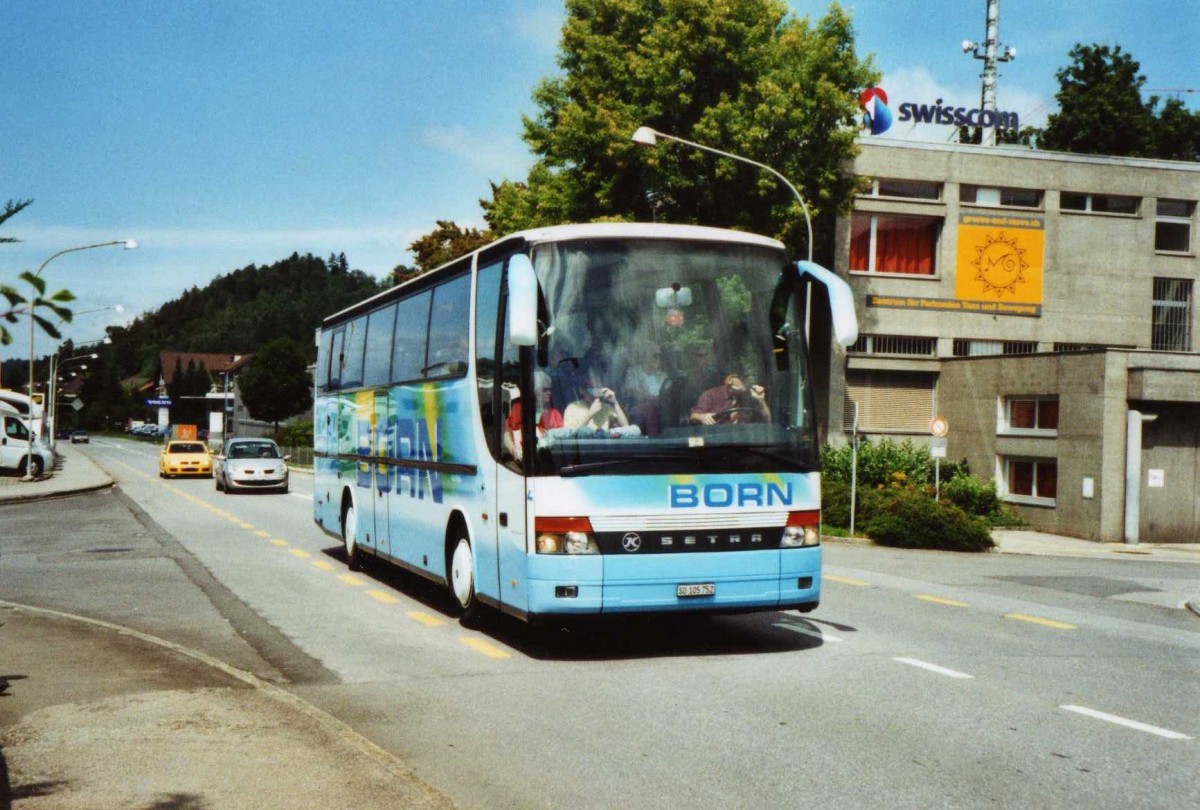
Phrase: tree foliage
x=275 y=383
x=743 y=76
x=1102 y=111
x=16 y=304
x=444 y=243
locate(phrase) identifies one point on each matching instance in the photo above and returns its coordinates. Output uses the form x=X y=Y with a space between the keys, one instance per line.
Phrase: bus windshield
x=670 y=356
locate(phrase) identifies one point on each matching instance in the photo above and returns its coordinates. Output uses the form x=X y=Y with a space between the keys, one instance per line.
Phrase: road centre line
x=323 y=565
x=939 y=600
x=278 y=542
x=263 y=533
x=350 y=579
x=426 y=619
x=383 y=596
x=490 y=650
x=1122 y=721
x=301 y=553
x=846 y=581
x=949 y=673
x=1022 y=617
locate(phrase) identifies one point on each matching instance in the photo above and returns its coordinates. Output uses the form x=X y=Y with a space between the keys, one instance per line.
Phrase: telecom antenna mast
x=991 y=56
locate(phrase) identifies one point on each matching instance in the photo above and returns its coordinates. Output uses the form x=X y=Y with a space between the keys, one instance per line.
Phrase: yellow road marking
x=246 y=525
x=324 y=566
x=278 y=542
x=425 y=618
x=940 y=601
x=1021 y=617
x=846 y=580
x=490 y=650
x=262 y=533
x=299 y=553
x=350 y=579
x=383 y=596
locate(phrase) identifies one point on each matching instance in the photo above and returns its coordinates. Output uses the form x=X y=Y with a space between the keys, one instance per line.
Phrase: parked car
x=14 y=445
x=184 y=458
x=80 y=437
x=245 y=464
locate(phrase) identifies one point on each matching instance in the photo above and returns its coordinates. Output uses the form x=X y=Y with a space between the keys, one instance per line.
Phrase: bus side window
x=487 y=321
x=335 y=359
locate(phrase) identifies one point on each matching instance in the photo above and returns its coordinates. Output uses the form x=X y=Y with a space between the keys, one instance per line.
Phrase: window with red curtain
x=898 y=244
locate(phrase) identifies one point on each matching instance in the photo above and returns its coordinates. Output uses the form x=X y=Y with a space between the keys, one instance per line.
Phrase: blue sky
x=232 y=132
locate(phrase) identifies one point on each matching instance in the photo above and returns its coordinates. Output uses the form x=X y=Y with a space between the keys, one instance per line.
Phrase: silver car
x=246 y=464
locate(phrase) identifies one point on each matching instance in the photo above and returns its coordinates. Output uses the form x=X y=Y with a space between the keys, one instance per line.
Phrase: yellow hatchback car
x=184 y=458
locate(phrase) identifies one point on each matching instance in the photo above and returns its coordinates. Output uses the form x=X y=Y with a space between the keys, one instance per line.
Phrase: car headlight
x=564 y=536
x=803 y=529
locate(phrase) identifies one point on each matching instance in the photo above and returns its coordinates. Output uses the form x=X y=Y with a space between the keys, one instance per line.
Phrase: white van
x=14 y=444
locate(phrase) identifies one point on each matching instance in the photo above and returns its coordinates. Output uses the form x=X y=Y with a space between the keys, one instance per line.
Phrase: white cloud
x=499 y=155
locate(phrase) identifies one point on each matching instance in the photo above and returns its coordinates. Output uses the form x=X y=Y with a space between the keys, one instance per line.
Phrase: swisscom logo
x=876 y=114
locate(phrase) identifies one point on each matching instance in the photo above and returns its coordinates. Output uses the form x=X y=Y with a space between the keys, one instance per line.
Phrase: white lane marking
x=1121 y=721
x=949 y=673
x=805 y=631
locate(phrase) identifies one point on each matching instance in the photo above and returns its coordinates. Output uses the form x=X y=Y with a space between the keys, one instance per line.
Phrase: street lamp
x=52 y=382
x=647 y=136
x=55 y=367
x=127 y=244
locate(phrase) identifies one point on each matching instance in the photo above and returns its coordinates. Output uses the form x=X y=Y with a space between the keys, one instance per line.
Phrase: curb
x=1194 y=605
x=45 y=496
x=328 y=722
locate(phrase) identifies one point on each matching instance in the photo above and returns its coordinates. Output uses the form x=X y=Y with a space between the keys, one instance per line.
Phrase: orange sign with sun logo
x=999 y=258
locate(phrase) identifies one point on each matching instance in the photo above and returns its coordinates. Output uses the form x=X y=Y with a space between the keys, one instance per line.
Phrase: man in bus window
x=731 y=402
x=596 y=408
x=548 y=417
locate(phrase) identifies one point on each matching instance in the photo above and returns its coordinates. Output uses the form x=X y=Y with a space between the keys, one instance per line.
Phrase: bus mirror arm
x=522 y=301
x=841 y=302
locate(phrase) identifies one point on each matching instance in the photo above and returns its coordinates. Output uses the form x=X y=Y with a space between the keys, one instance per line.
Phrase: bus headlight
x=803 y=529
x=564 y=536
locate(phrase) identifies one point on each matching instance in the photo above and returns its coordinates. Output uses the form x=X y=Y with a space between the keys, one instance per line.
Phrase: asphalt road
x=925 y=679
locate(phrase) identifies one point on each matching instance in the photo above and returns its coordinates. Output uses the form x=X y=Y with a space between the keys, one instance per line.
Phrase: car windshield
x=699 y=343
x=188 y=447
x=253 y=450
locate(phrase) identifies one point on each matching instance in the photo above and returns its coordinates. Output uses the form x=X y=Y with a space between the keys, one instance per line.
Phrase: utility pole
x=991 y=56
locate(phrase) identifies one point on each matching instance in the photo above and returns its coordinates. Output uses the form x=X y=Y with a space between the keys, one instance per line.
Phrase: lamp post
x=648 y=136
x=128 y=244
x=52 y=382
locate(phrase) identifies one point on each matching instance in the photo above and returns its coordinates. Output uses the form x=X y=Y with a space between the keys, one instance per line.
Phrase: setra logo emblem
x=631 y=542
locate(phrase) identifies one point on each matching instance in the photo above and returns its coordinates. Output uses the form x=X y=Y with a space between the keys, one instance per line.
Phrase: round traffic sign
x=939 y=427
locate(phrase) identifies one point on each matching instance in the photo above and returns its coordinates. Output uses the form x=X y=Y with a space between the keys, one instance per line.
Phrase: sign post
x=938 y=427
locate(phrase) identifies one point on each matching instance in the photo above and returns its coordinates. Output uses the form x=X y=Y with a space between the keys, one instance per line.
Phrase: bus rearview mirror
x=522 y=301
x=841 y=302
x=673 y=297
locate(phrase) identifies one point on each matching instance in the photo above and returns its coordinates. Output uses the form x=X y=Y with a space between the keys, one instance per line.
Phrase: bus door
x=382 y=474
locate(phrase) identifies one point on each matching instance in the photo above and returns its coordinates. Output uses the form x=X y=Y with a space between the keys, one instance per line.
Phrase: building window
x=884 y=243
x=1171 y=316
x=1030 y=481
x=1173 y=227
x=905 y=189
x=968 y=347
x=895 y=344
x=1022 y=414
x=1097 y=203
x=899 y=401
x=1007 y=197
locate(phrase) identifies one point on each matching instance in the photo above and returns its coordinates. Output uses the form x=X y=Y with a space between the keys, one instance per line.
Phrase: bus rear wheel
x=462 y=579
x=350 y=537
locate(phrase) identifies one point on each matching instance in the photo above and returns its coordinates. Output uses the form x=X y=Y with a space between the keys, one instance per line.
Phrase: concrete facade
x=996 y=282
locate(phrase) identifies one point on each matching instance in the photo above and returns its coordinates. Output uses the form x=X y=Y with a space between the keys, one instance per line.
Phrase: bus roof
x=568 y=233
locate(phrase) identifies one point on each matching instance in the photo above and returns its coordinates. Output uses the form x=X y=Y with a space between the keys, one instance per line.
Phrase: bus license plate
x=701 y=589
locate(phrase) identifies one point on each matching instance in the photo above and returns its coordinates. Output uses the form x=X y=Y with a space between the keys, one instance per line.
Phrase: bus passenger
x=732 y=402
x=596 y=408
x=548 y=417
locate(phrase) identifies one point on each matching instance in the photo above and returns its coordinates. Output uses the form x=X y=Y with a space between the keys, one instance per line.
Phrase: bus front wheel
x=350 y=537
x=462 y=580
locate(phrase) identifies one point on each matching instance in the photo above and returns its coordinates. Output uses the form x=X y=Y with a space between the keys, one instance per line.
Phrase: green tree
x=444 y=243
x=1100 y=106
x=1177 y=132
x=16 y=303
x=744 y=76
x=275 y=383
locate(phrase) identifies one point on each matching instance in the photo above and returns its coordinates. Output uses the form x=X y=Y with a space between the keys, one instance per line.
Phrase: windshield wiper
x=585 y=467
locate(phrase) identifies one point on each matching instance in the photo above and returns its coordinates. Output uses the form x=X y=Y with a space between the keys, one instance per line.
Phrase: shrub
x=908 y=519
x=297 y=434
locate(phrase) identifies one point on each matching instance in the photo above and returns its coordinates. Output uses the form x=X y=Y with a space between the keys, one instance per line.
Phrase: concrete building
x=1043 y=303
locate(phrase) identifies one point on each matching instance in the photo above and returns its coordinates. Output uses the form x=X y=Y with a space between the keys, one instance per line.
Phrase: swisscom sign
x=877 y=115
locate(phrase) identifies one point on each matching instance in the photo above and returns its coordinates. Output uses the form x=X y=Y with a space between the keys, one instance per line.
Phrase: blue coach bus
x=666 y=456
